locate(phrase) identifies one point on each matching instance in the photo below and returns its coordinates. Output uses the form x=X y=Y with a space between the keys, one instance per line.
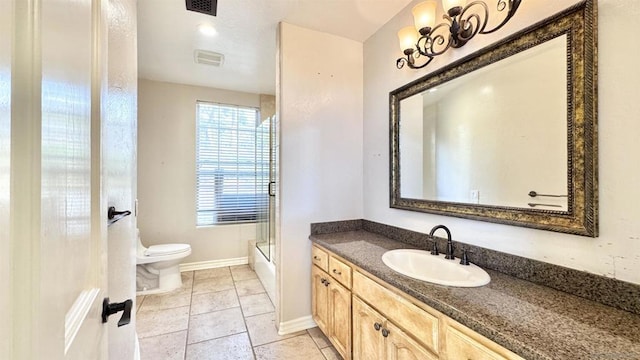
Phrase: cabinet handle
x=337 y=272
x=377 y=326
x=326 y=283
x=323 y=280
x=385 y=332
x=315 y=257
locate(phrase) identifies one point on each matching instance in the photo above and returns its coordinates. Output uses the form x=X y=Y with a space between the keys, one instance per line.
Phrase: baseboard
x=202 y=265
x=291 y=326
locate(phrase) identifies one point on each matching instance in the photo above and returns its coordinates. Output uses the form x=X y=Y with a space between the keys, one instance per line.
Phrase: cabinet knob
x=326 y=283
x=323 y=280
x=337 y=272
x=377 y=326
x=385 y=332
x=316 y=257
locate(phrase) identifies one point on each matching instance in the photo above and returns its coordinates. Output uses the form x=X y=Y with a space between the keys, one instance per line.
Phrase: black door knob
x=112 y=308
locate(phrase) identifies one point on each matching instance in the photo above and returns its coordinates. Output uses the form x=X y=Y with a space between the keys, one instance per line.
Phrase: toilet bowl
x=158 y=267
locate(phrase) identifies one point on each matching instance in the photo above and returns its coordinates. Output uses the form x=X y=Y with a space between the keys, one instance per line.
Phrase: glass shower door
x=263 y=186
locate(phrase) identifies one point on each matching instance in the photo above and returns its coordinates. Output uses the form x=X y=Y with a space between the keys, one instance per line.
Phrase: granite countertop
x=534 y=321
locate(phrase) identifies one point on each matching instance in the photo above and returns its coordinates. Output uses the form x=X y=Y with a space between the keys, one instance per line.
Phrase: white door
x=6 y=313
x=119 y=146
x=55 y=182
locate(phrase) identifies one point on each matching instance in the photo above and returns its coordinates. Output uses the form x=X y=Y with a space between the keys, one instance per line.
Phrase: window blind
x=226 y=164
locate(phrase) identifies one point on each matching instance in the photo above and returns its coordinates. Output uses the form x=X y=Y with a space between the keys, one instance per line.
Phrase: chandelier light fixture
x=463 y=22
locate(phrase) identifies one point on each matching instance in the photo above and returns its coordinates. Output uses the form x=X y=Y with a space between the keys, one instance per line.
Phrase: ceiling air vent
x=208 y=58
x=208 y=7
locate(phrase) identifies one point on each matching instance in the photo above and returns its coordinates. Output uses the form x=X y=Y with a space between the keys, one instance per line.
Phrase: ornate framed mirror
x=507 y=134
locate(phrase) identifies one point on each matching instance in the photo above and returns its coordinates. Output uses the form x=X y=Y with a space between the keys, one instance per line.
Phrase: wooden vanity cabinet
x=376 y=308
x=375 y=337
x=463 y=343
x=368 y=342
x=331 y=301
x=320 y=299
x=387 y=323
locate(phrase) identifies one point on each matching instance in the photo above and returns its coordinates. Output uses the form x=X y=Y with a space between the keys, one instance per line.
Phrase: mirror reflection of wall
x=491 y=136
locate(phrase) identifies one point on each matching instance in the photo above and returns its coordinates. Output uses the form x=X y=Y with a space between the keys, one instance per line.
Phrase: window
x=226 y=162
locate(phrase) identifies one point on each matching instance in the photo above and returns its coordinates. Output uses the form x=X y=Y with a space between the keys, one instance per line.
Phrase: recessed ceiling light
x=207 y=29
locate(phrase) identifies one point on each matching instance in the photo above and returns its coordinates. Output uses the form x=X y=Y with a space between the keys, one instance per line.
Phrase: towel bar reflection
x=534 y=194
x=537 y=204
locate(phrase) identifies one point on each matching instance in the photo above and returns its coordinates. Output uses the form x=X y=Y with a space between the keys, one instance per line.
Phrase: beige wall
x=616 y=253
x=166 y=171
x=320 y=114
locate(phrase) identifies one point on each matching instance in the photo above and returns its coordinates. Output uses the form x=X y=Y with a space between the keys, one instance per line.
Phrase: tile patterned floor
x=221 y=314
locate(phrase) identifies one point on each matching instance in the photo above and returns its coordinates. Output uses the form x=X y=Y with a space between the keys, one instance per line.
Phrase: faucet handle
x=434 y=250
x=450 y=249
x=464 y=260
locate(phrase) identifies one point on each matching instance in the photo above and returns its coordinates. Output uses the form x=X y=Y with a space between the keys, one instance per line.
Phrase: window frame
x=216 y=202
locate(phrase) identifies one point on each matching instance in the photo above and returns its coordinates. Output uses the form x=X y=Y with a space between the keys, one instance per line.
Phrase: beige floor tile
x=262 y=329
x=173 y=299
x=242 y=272
x=152 y=323
x=208 y=302
x=234 y=347
x=202 y=286
x=215 y=325
x=139 y=300
x=187 y=279
x=212 y=273
x=296 y=348
x=249 y=287
x=256 y=304
x=166 y=347
x=330 y=353
x=318 y=337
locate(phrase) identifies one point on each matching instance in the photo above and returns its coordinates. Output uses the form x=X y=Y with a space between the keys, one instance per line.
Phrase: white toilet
x=158 y=267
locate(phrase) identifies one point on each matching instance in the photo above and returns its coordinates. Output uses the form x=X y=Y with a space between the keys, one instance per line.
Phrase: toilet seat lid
x=166 y=249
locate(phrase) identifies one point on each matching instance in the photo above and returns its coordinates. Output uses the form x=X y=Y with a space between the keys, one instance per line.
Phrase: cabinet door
x=460 y=346
x=368 y=342
x=320 y=299
x=340 y=314
x=400 y=346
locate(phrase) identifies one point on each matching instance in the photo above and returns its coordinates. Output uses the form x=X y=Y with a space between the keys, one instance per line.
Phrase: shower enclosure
x=264 y=262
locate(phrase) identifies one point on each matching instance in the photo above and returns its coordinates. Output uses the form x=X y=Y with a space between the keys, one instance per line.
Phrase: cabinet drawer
x=340 y=271
x=422 y=325
x=320 y=258
x=463 y=343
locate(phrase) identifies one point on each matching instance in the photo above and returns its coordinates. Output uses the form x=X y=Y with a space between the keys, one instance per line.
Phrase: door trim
x=76 y=315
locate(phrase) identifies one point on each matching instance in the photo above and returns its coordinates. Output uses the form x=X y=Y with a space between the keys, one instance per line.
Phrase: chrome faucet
x=450 y=247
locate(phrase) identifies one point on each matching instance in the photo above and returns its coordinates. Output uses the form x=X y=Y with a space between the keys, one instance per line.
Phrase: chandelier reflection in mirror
x=463 y=22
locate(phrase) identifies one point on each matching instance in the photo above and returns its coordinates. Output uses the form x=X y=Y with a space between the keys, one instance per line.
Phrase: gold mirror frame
x=579 y=23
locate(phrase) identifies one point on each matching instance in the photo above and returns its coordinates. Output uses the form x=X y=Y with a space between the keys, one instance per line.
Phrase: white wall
x=413 y=156
x=167 y=173
x=616 y=253
x=320 y=104
x=481 y=117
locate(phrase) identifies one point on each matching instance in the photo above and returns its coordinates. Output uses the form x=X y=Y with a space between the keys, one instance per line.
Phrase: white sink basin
x=421 y=265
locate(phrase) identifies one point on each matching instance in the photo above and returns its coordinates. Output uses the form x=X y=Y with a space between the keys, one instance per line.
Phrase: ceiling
x=246 y=35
